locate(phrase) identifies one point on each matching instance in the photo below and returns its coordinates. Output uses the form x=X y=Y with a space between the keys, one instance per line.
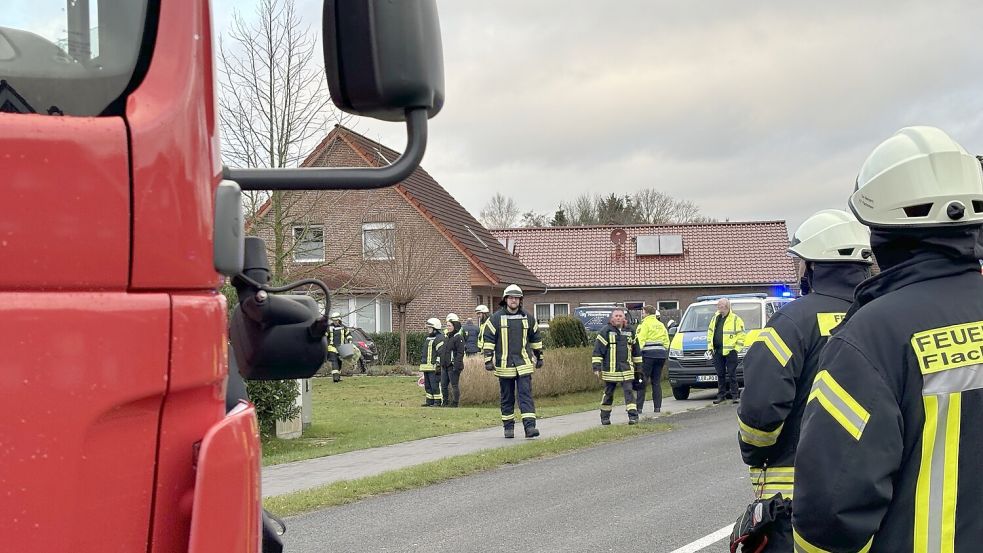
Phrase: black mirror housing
x=272 y=338
x=383 y=57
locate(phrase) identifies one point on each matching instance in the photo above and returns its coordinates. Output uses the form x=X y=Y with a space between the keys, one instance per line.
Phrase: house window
x=546 y=311
x=371 y=314
x=309 y=243
x=668 y=305
x=378 y=241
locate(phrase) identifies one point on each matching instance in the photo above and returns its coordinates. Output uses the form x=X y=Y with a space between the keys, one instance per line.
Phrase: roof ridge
x=641 y=225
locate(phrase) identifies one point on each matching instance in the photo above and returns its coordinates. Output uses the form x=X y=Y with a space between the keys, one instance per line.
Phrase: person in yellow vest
x=337 y=334
x=725 y=338
x=616 y=356
x=481 y=312
x=654 y=340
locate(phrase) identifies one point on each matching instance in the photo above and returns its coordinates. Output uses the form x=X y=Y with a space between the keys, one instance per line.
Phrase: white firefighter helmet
x=920 y=177
x=336 y=315
x=513 y=290
x=453 y=318
x=831 y=235
x=481 y=309
x=434 y=322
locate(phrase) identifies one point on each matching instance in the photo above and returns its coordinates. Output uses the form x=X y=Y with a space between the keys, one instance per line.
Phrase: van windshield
x=697 y=317
x=68 y=57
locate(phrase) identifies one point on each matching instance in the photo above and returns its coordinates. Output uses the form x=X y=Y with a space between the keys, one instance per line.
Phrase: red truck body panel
x=112 y=378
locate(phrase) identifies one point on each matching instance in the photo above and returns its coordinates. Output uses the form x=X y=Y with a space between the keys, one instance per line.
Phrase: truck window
x=68 y=57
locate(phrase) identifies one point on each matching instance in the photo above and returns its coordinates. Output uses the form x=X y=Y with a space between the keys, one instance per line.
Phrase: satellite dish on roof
x=619 y=236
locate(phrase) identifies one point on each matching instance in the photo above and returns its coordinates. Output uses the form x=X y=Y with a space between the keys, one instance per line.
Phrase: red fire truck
x=117 y=224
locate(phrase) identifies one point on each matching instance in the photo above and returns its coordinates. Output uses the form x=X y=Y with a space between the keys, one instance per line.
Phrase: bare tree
x=648 y=206
x=657 y=207
x=273 y=106
x=533 y=219
x=499 y=212
x=404 y=268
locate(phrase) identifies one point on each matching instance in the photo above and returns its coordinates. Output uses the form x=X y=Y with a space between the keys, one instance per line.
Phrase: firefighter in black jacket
x=452 y=362
x=430 y=363
x=510 y=341
x=337 y=334
x=616 y=358
x=783 y=358
x=889 y=454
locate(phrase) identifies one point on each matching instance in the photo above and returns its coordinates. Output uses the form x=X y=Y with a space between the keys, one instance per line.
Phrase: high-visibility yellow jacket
x=337 y=335
x=889 y=455
x=653 y=337
x=733 y=330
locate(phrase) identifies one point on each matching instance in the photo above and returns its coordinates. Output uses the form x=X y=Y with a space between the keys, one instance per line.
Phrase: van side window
x=770 y=309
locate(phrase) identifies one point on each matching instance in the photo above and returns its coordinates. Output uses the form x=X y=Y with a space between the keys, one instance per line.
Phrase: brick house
x=341 y=237
x=663 y=265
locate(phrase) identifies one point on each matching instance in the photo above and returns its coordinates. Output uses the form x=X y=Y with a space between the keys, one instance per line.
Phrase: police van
x=689 y=364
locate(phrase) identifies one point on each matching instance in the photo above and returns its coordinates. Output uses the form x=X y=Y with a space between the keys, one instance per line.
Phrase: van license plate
x=706 y=378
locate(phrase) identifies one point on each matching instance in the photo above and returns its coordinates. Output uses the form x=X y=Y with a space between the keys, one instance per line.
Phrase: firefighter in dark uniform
x=511 y=341
x=452 y=362
x=337 y=334
x=482 y=314
x=616 y=359
x=783 y=358
x=889 y=454
x=430 y=363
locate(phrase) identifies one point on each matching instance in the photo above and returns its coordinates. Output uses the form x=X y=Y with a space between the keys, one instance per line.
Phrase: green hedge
x=388 y=345
x=568 y=332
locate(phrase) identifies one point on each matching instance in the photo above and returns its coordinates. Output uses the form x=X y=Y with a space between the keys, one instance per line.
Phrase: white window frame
x=303 y=230
x=386 y=256
x=347 y=307
x=535 y=308
x=658 y=305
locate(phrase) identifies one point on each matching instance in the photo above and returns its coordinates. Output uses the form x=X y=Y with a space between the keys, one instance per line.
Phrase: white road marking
x=703 y=542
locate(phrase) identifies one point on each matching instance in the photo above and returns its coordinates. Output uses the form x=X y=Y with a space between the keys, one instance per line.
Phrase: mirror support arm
x=329 y=178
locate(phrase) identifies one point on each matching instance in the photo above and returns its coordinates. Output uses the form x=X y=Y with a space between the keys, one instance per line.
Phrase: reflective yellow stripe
x=828 y=321
x=802 y=546
x=536 y=345
x=937 y=486
x=504 y=330
x=528 y=416
x=756 y=437
x=630 y=407
x=839 y=404
x=597 y=359
x=508 y=417
x=775 y=344
x=602 y=340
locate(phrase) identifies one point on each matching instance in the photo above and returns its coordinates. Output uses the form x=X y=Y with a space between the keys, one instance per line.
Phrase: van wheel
x=680 y=392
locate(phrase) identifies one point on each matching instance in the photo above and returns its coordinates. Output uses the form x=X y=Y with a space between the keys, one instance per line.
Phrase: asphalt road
x=654 y=494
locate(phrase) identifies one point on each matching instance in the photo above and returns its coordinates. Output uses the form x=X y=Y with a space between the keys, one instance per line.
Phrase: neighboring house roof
x=713 y=254
x=472 y=239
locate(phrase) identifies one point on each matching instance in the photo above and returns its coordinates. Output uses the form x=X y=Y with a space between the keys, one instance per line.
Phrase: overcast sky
x=753 y=110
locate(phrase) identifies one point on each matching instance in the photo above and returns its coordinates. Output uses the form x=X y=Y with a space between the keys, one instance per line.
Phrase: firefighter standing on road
x=889 y=455
x=654 y=340
x=511 y=339
x=337 y=334
x=430 y=363
x=783 y=358
x=616 y=355
x=725 y=337
x=452 y=362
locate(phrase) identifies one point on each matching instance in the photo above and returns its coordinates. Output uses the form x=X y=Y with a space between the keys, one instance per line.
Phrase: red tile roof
x=713 y=254
x=435 y=203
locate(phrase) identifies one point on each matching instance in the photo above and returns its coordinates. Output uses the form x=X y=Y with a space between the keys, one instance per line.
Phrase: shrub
x=388 y=345
x=274 y=400
x=566 y=370
x=568 y=332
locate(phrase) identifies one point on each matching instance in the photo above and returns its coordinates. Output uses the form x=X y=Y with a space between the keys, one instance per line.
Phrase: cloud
x=751 y=110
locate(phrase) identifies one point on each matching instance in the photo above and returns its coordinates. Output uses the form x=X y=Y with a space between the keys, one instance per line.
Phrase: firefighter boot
x=530 y=427
x=633 y=417
x=336 y=376
x=605 y=418
x=509 y=429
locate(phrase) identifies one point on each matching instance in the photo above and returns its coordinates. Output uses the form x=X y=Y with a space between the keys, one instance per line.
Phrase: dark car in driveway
x=366 y=347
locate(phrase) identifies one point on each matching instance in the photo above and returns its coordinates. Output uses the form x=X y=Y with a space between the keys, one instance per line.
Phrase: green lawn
x=364 y=412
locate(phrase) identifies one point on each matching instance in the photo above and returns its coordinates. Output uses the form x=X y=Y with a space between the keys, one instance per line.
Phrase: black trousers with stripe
x=509 y=388
x=608 y=398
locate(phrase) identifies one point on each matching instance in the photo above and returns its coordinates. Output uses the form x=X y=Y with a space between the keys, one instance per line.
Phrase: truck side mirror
x=383 y=58
x=274 y=336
